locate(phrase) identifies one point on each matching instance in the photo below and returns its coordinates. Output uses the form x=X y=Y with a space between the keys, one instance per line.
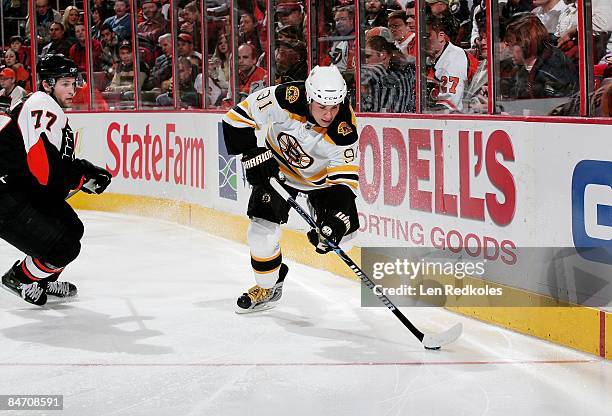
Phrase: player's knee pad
x=64 y=251
x=263 y=237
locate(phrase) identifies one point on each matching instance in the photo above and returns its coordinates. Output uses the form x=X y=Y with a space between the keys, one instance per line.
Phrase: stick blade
x=435 y=341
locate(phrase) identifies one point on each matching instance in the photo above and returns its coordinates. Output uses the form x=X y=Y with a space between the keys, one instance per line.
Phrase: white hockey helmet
x=325 y=85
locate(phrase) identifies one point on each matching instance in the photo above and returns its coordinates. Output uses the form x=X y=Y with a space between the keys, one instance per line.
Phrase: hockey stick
x=71 y=193
x=429 y=341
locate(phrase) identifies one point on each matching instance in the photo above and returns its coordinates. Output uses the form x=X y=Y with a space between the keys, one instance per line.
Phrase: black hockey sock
x=266 y=269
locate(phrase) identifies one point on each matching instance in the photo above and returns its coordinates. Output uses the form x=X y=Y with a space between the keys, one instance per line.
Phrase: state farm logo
x=156 y=154
x=293 y=152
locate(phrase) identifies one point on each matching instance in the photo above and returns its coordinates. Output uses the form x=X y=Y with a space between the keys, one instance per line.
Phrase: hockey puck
x=432 y=348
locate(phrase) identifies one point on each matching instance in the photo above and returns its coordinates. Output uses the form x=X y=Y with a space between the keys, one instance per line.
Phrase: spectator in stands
x=290 y=57
x=188 y=96
x=96 y=23
x=411 y=15
x=216 y=90
x=45 y=15
x=69 y=20
x=602 y=28
x=23 y=53
x=342 y=52
x=185 y=46
x=165 y=9
x=405 y=39
x=450 y=67
x=59 y=43
x=106 y=10
x=22 y=75
x=9 y=86
x=290 y=13
x=449 y=9
x=252 y=77
x=599 y=102
x=193 y=23
x=78 y=52
x=123 y=80
x=120 y=22
x=439 y=8
x=567 y=23
x=196 y=63
x=162 y=69
x=565 y=36
x=548 y=11
x=375 y=14
x=82 y=99
x=388 y=86
x=567 y=29
x=247 y=32
x=110 y=48
x=542 y=70
x=476 y=94
x=154 y=24
x=223 y=55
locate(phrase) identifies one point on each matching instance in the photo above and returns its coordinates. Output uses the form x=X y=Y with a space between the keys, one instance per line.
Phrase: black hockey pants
x=48 y=230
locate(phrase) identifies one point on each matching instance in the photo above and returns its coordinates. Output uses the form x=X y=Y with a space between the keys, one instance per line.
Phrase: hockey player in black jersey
x=306 y=133
x=37 y=170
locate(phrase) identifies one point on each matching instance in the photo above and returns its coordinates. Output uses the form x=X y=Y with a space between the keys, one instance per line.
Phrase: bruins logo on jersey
x=293 y=152
x=292 y=94
x=344 y=129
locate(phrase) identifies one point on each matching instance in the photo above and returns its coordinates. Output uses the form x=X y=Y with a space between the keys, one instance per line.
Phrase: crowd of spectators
x=135 y=55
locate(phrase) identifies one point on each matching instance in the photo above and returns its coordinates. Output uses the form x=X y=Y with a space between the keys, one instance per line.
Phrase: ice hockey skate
x=61 y=289
x=259 y=299
x=17 y=283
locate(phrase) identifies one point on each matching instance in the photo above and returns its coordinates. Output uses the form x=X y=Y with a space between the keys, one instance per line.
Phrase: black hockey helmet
x=52 y=67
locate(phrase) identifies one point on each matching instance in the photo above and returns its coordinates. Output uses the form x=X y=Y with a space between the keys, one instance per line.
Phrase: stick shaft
x=347 y=260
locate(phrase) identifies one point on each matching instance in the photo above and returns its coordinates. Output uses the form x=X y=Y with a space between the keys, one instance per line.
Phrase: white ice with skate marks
x=154 y=332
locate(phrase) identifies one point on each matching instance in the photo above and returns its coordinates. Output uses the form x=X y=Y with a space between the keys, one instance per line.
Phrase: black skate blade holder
x=429 y=341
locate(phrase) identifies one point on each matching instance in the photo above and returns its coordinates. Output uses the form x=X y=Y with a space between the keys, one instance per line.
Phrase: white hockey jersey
x=311 y=157
x=451 y=72
x=37 y=147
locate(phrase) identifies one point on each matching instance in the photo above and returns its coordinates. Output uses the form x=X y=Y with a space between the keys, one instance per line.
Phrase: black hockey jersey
x=37 y=149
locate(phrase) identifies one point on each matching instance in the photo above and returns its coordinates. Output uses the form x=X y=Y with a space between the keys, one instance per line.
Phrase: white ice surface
x=154 y=333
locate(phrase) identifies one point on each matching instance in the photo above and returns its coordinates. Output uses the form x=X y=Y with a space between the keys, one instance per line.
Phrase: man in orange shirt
x=252 y=77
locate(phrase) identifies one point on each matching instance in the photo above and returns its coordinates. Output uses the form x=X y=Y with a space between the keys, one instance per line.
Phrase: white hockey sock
x=38 y=270
x=266 y=257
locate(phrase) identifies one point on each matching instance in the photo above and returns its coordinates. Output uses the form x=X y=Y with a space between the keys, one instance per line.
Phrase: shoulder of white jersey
x=291 y=96
x=41 y=112
x=343 y=130
x=42 y=101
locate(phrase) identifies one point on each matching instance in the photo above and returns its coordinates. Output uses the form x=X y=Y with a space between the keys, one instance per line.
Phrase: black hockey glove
x=259 y=166
x=333 y=227
x=97 y=179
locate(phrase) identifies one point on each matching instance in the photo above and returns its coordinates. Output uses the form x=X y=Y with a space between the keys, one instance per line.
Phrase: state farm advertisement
x=172 y=156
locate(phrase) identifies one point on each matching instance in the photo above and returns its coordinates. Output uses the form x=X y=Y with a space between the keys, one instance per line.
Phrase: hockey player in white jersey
x=308 y=135
x=37 y=170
